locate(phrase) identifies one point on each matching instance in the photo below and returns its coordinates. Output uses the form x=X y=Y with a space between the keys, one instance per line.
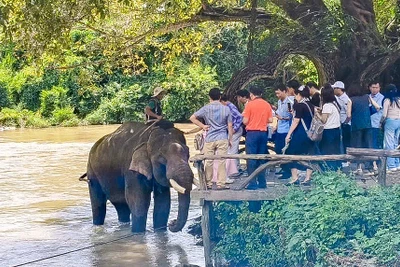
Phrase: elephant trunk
x=183 y=211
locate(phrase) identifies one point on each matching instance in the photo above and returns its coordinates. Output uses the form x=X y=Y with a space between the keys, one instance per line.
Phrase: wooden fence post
x=382 y=171
x=205 y=228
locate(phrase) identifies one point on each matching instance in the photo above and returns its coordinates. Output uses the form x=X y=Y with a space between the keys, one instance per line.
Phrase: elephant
x=135 y=160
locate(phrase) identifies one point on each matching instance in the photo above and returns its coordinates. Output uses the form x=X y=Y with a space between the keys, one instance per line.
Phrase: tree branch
x=378 y=66
x=305 y=13
x=361 y=10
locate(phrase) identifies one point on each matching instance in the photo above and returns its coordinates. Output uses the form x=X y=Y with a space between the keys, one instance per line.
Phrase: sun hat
x=158 y=90
x=338 y=84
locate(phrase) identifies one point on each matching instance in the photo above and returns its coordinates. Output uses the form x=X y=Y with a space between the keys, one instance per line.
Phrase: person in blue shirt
x=284 y=115
x=218 y=123
x=232 y=165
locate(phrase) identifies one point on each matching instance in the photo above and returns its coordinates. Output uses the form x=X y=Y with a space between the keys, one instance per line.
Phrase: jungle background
x=70 y=62
x=96 y=62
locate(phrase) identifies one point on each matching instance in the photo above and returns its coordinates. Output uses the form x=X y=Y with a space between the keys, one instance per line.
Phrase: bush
x=21 y=118
x=4 y=99
x=334 y=220
x=60 y=115
x=127 y=105
x=52 y=99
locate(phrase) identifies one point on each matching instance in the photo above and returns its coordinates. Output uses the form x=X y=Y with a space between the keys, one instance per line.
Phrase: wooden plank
x=373 y=152
x=260 y=168
x=276 y=157
x=270 y=193
x=205 y=228
x=382 y=171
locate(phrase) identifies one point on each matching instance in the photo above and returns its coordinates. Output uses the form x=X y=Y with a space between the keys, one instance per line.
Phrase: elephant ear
x=141 y=162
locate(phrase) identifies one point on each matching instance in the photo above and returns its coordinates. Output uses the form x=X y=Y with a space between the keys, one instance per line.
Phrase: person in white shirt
x=330 y=116
x=345 y=113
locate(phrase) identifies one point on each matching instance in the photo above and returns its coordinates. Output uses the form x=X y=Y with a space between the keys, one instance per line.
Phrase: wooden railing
x=208 y=196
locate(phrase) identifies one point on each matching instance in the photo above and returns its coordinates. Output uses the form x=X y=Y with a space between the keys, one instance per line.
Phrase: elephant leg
x=98 y=200
x=123 y=212
x=162 y=206
x=138 y=196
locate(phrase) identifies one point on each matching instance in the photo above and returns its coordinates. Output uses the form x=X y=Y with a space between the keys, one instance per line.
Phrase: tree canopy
x=350 y=40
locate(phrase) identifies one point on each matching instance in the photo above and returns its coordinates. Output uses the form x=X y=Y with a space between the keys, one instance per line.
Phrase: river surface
x=45 y=210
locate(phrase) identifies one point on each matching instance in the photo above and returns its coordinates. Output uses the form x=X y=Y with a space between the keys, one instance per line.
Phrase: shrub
x=21 y=118
x=30 y=95
x=127 y=105
x=336 y=219
x=60 y=115
x=52 y=99
x=4 y=99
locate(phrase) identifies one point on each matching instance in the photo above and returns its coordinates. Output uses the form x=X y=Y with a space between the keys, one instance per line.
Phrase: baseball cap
x=338 y=84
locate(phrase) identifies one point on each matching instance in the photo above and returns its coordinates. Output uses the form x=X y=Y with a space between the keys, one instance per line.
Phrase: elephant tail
x=82 y=177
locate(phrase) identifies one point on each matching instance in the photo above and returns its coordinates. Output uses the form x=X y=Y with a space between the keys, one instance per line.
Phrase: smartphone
x=289 y=107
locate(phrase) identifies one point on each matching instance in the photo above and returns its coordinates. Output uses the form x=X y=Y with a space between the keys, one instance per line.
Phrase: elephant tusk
x=196 y=182
x=177 y=187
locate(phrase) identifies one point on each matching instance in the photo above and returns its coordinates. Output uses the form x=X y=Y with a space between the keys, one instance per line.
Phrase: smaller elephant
x=135 y=160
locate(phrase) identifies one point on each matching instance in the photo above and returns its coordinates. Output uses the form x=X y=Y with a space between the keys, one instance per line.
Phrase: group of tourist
x=351 y=118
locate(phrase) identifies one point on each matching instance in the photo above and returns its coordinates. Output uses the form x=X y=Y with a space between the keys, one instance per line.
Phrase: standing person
x=361 y=129
x=243 y=97
x=292 y=87
x=218 y=123
x=299 y=143
x=376 y=115
x=345 y=113
x=153 y=110
x=284 y=115
x=315 y=96
x=232 y=165
x=391 y=119
x=256 y=116
x=330 y=116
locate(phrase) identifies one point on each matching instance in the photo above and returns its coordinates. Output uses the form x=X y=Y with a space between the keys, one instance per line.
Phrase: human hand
x=287 y=139
x=206 y=127
x=347 y=120
x=159 y=117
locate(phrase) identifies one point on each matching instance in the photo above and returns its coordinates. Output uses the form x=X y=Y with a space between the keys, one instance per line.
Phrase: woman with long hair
x=299 y=143
x=330 y=116
x=391 y=120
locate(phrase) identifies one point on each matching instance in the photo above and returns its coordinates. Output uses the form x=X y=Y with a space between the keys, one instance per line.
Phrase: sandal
x=306 y=182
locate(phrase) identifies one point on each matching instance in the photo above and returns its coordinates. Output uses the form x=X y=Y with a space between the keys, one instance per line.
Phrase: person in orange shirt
x=256 y=116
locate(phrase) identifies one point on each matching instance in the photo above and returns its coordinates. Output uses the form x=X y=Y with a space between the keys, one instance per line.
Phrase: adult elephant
x=135 y=160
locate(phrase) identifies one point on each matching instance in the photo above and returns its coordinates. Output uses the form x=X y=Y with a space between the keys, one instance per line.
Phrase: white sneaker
x=229 y=181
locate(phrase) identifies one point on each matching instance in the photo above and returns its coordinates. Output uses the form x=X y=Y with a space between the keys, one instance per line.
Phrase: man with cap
x=345 y=113
x=153 y=109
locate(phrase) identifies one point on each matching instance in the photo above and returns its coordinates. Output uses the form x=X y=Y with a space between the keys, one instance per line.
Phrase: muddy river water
x=45 y=210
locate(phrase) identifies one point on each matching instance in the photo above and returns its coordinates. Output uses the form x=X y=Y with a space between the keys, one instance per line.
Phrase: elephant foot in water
x=139 y=224
x=123 y=212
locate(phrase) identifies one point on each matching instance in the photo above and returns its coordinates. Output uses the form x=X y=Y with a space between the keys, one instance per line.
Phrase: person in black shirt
x=299 y=143
x=315 y=96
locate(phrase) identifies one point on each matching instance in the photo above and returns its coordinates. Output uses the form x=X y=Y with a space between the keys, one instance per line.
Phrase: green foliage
x=21 y=118
x=125 y=104
x=188 y=91
x=53 y=99
x=308 y=227
x=4 y=99
x=60 y=115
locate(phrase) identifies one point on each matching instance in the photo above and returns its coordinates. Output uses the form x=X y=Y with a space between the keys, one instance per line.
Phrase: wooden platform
x=271 y=193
